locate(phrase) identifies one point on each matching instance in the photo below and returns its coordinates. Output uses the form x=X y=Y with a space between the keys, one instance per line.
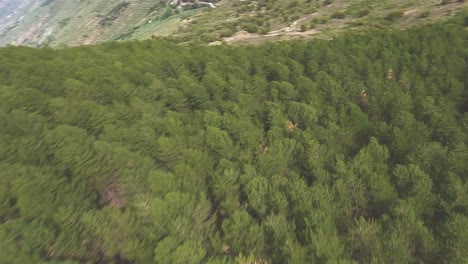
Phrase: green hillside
x=73 y=23
x=351 y=150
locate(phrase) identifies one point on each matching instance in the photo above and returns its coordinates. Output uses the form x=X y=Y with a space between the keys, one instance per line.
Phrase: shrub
x=338 y=15
x=310 y=10
x=293 y=4
x=425 y=14
x=363 y=12
x=393 y=16
x=293 y=18
x=208 y=37
x=226 y=33
x=251 y=28
x=264 y=30
x=320 y=20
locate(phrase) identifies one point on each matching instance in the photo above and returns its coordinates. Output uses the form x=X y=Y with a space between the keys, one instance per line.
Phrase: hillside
x=350 y=150
x=54 y=23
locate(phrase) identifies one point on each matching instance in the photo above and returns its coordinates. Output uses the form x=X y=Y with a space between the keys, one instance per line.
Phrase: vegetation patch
x=287 y=152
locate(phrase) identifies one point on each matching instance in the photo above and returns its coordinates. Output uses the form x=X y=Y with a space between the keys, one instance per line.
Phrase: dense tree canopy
x=352 y=150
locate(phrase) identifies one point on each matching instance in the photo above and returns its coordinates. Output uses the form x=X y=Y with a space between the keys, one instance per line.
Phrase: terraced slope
x=78 y=22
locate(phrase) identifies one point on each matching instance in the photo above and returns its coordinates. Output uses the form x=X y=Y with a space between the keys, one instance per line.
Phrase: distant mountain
x=54 y=22
x=78 y=22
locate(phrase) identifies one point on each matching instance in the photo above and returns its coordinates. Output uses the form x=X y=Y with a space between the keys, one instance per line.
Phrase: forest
x=351 y=150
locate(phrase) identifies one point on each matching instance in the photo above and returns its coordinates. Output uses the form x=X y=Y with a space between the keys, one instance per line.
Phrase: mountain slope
x=52 y=22
x=351 y=150
x=73 y=22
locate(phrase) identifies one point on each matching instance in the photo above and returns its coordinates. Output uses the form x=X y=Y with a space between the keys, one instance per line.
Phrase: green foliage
x=169 y=250
x=351 y=150
x=457 y=239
